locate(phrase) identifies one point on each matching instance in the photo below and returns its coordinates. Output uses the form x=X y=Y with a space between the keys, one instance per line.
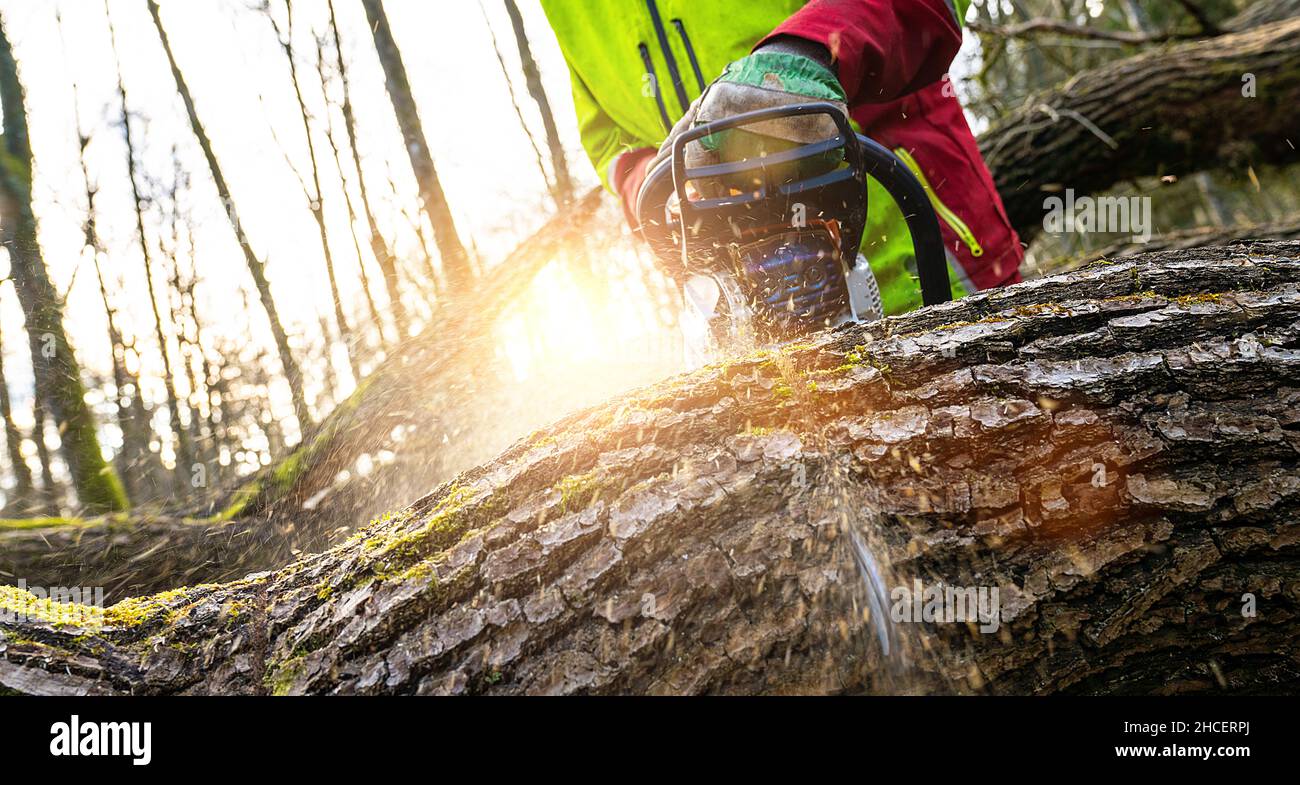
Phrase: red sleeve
x=882 y=49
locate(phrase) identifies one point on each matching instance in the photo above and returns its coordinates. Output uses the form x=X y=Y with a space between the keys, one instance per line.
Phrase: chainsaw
x=766 y=244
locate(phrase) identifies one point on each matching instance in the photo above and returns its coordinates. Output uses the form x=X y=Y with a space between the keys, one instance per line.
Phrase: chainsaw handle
x=681 y=175
x=912 y=199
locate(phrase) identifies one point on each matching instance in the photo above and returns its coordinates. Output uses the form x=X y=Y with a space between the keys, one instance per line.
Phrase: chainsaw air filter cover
x=795 y=280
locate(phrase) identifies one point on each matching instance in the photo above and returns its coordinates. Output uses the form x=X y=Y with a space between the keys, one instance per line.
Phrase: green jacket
x=636 y=65
x=626 y=89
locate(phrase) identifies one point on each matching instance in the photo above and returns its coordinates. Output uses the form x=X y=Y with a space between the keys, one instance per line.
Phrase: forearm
x=880 y=49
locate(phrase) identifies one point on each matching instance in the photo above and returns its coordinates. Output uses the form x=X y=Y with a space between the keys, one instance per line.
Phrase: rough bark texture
x=1262 y=12
x=1174 y=109
x=1115 y=449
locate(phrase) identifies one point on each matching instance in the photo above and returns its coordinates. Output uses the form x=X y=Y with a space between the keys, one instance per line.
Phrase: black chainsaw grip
x=927 y=241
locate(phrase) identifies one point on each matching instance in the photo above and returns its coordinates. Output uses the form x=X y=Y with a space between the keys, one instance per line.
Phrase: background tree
x=59 y=374
x=533 y=78
x=292 y=373
x=184 y=449
x=315 y=197
x=455 y=259
x=19 y=501
x=379 y=246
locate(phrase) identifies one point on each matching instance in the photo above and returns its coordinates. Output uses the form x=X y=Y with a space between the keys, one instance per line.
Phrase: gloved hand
x=784 y=71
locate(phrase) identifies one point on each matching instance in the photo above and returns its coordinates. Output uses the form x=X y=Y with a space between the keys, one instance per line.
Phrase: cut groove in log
x=1114 y=449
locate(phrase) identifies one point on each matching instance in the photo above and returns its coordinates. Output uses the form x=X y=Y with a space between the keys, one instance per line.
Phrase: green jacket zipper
x=949 y=217
x=671 y=61
x=654 y=84
x=690 y=53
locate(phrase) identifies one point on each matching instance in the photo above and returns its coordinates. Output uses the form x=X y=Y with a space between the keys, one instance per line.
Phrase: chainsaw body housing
x=786 y=225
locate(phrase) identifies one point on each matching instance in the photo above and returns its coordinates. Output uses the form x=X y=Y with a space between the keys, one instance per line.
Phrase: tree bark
x=292 y=373
x=455 y=260
x=1114 y=449
x=1199 y=237
x=1172 y=110
x=1262 y=12
x=59 y=384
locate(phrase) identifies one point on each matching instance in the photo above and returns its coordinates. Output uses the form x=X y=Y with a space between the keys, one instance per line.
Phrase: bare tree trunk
x=184 y=450
x=52 y=494
x=316 y=199
x=134 y=455
x=150 y=473
x=378 y=245
x=551 y=183
x=1115 y=450
x=455 y=260
x=1260 y=12
x=533 y=78
x=97 y=485
x=292 y=373
x=375 y=318
x=1201 y=237
x=215 y=422
x=124 y=458
x=200 y=437
x=23 y=495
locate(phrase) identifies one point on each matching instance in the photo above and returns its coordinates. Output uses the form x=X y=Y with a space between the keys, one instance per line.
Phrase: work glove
x=785 y=71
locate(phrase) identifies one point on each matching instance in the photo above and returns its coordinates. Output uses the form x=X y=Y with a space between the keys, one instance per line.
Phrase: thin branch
x=1054 y=26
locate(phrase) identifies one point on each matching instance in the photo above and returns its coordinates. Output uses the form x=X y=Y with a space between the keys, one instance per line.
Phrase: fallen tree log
x=1114 y=449
x=1175 y=109
x=131 y=554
